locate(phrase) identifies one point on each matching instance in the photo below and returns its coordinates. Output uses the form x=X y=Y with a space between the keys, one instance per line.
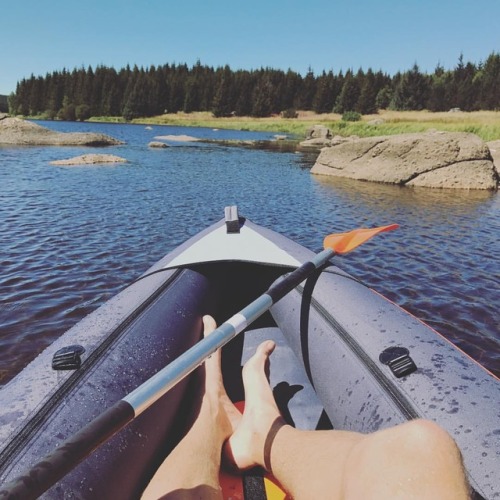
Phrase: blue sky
x=40 y=36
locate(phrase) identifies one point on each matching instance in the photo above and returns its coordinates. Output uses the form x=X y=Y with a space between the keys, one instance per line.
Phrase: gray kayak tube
x=344 y=333
x=371 y=364
x=34 y=421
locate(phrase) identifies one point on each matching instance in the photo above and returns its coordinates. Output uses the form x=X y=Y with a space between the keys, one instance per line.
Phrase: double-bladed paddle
x=71 y=452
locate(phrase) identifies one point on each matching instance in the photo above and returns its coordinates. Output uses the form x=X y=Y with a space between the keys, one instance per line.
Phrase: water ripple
x=73 y=237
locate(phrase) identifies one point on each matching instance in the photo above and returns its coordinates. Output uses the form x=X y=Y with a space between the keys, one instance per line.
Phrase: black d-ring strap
x=305 y=309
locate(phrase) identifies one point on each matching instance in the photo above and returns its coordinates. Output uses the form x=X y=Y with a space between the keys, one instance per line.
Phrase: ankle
x=279 y=426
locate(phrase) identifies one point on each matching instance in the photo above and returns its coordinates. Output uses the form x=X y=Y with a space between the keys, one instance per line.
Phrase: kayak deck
x=330 y=333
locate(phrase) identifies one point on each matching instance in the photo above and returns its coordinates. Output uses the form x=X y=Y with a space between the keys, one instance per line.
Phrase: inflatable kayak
x=347 y=358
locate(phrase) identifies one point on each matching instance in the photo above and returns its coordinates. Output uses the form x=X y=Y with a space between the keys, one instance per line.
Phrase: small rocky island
x=433 y=159
x=92 y=159
x=18 y=132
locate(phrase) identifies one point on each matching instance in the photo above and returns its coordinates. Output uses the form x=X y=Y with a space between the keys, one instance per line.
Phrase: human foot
x=215 y=397
x=250 y=443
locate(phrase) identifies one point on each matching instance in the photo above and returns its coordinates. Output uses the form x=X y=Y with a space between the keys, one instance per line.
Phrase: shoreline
x=485 y=124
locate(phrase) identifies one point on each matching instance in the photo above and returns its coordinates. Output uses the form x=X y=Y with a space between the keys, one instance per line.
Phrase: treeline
x=4 y=108
x=139 y=92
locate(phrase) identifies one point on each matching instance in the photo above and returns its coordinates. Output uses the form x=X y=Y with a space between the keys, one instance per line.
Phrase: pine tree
x=366 y=103
x=192 y=96
x=36 y=96
x=177 y=88
x=438 y=99
x=88 y=84
x=349 y=95
x=67 y=112
x=291 y=90
x=262 y=98
x=308 y=91
x=487 y=83
x=325 y=93
x=244 y=82
x=222 y=102
x=111 y=96
x=151 y=93
x=463 y=85
x=135 y=100
x=163 y=89
x=55 y=95
x=411 y=93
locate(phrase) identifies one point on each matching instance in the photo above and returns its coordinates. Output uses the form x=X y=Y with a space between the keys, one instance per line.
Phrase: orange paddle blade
x=345 y=242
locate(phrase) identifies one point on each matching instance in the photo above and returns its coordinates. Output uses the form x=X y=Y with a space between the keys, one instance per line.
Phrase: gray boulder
x=433 y=159
x=19 y=132
x=318 y=132
x=158 y=144
x=495 y=152
x=91 y=159
x=317 y=137
x=178 y=138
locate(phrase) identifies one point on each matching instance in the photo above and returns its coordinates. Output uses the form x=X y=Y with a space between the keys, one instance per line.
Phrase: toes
x=257 y=362
x=209 y=325
x=266 y=348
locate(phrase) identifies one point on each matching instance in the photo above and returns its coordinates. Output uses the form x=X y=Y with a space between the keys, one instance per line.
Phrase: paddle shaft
x=71 y=452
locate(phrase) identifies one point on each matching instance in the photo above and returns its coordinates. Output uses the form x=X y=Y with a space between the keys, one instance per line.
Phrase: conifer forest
x=142 y=92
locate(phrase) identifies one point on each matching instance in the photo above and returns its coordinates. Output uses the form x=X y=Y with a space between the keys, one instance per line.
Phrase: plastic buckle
x=398 y=360
x=68 y=358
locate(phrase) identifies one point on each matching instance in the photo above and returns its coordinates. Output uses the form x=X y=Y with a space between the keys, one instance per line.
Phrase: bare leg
x=414 y=460
x=192 y=468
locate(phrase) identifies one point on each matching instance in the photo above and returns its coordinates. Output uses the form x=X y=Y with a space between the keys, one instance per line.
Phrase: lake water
x=71 y=237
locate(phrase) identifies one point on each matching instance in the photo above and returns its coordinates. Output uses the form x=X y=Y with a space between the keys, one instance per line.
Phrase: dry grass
x=460 y=117
x=486 y=124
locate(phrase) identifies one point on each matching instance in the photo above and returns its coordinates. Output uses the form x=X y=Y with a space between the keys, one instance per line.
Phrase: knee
x=427 y=431
x=428 y=439
x=420 y=458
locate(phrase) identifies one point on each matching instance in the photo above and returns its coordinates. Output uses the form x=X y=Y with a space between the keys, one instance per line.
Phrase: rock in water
x=90 y=160
x=177 y=138
x=25 y=133
x=432 y=159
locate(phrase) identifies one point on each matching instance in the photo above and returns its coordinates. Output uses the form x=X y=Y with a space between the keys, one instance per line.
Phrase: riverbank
x=485 y=124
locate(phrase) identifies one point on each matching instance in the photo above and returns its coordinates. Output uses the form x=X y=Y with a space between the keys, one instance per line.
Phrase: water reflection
x=380 y=196
x=442 y=266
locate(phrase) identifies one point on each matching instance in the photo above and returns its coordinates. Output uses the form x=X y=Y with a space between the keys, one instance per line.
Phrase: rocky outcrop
x=433 y=159
x=91 y=159
x=157 y=144
x=177 y=138
x=317 y=137
x=495 y=153
x=19 y=132
x=318 y=132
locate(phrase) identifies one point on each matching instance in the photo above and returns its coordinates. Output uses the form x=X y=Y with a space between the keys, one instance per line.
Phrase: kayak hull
x=126 y=358
x=330 y=331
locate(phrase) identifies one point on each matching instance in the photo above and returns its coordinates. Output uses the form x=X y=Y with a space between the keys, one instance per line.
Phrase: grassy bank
x=486 y=124
x=206 y=119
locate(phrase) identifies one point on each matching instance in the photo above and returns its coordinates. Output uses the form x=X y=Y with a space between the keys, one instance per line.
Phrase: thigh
x=417 y=459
